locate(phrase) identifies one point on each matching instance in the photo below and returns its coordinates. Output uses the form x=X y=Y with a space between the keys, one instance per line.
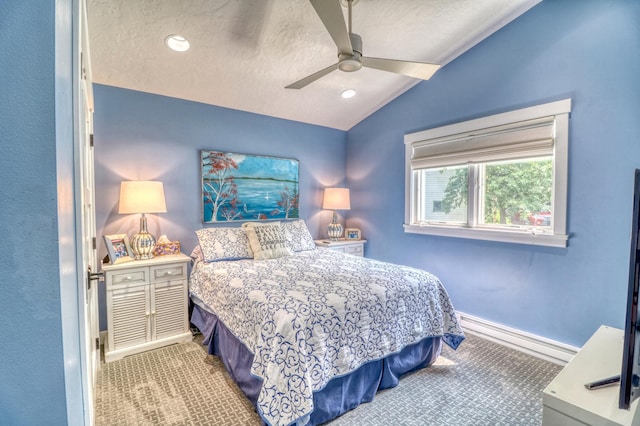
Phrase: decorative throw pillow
x=298 y=235
x=267 y=240
x=224 y=244
x=196 y=254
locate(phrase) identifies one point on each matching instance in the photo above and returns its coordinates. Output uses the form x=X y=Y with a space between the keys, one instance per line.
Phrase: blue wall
x=588 y=51
x=32 y=381
x=139 y=136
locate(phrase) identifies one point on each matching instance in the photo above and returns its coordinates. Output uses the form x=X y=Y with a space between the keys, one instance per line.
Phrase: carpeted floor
x=481 y=383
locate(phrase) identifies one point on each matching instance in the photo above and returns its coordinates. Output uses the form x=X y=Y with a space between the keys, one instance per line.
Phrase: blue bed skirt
x=341 y=394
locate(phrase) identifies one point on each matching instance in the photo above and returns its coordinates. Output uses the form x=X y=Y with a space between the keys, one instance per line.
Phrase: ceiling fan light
x=349 y=65
x=177 y=42
x=348 y=93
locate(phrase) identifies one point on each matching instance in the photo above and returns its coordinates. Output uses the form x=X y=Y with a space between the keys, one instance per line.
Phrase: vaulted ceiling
x=244 y=52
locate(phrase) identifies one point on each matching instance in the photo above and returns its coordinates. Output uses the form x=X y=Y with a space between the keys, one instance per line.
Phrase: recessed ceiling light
x=349 y=93
x=177 y=42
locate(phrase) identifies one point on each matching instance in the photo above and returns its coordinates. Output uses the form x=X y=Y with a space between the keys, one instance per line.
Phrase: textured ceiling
x=244 y=52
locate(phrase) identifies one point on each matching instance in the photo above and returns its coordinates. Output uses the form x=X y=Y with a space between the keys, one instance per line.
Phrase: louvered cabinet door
x=130 y=316
x=127 y=307
x=169 y=300
x=169 y=309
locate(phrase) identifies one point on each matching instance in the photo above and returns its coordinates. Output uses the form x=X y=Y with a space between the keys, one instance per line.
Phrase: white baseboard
x=540 y=347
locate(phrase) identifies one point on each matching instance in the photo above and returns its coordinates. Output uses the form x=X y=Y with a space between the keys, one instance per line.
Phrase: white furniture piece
x=146 y=305
x=566 y=401
x=354 y=247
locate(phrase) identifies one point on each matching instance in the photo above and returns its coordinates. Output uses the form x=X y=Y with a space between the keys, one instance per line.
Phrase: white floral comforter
x=320 y=314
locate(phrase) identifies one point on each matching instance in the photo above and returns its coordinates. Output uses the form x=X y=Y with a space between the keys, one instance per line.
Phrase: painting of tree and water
x=248 y=187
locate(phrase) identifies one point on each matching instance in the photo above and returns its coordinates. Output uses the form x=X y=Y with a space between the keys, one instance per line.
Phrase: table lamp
x=336 y=199
x=142 y=196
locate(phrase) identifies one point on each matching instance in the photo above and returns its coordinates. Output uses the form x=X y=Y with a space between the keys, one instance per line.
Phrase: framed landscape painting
x=240 y=187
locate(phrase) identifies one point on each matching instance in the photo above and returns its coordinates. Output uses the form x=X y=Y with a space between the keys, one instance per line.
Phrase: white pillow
x=267 y=240
x=224 y=244
x=298 y=236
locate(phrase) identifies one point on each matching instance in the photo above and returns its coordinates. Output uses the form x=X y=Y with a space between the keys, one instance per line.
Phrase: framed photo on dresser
x=352 y=234
x=119 y=248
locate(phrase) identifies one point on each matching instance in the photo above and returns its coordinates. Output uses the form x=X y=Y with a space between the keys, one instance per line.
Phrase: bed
x=309 y=333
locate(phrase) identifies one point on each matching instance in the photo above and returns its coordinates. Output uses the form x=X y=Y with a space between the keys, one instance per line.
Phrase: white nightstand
x=146 y=305
x=354 y=247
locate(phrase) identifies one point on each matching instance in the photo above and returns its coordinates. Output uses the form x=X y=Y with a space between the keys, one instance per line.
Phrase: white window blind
x=525 y=135
x=525 y=139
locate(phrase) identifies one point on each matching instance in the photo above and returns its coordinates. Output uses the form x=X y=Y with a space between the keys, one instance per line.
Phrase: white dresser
x=147 y=305
x=354 y=247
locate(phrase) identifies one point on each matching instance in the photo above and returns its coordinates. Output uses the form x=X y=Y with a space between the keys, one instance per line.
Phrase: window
x=498 y=178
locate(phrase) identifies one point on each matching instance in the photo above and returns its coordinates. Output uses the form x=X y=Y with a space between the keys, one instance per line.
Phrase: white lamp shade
x=336 y=199
x=142 y=196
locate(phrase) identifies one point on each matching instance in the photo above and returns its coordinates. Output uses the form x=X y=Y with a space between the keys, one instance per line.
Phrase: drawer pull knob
x=129 y=278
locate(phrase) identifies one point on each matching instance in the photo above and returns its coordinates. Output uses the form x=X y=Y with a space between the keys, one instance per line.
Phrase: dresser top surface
x=158 y=260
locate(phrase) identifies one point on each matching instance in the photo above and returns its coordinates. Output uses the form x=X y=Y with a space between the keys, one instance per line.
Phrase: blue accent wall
x=588 y=51
x=32 y=380
x=140 y=136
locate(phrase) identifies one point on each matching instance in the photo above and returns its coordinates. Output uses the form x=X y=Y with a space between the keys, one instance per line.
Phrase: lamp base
x=143 y=243
x=335 y=229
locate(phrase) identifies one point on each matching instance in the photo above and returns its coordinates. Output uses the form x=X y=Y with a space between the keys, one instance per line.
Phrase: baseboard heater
x=540 y=347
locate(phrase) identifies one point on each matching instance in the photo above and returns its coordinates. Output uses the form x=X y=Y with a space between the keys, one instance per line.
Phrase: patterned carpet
x=481 y=383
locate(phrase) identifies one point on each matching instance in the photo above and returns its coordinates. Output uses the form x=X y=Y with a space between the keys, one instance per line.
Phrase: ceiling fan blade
x=313 y=77
x=412 y=69
x=330 y=13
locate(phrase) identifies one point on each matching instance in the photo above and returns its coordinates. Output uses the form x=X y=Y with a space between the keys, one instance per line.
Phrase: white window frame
x=556 y=237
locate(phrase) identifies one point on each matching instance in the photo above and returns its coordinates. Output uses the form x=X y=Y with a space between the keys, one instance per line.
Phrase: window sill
x=505 y=236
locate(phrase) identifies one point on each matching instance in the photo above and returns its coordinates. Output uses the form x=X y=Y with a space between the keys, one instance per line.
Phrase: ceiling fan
x=350 y=48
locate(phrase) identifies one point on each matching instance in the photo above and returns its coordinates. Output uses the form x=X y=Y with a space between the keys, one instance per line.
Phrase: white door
x=86 y=223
